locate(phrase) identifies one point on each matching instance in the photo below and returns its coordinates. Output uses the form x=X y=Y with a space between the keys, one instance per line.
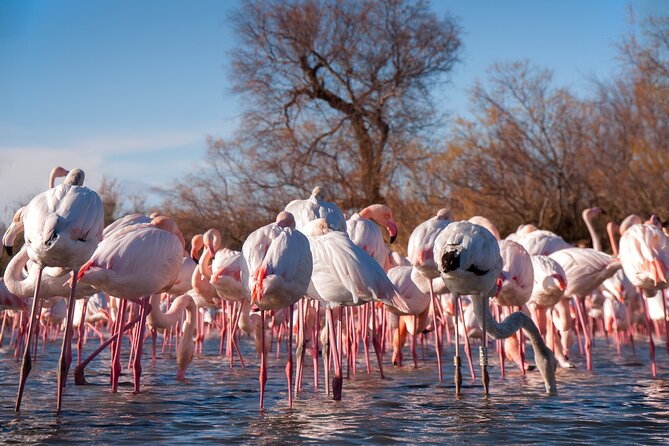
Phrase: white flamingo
x=62 y=227
x=469 y=261
x=276 y=269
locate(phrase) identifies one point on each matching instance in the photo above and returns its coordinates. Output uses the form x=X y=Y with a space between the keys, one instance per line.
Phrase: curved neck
x=15 y=281
x=611 y=229
x=542 y=355
x=596 y=242
x=158 y=319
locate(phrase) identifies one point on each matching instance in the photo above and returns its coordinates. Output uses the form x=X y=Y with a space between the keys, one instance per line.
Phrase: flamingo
x=363 y=230
x=345 y=275
x=420 y=253
x=14 y=229
x=542 y=242
x=276 y=269
x=585 y=269
x=515 y=288
x=315 y=207
x=469 y=261
x=644 y=253
x=135 y=262
x=62 y=227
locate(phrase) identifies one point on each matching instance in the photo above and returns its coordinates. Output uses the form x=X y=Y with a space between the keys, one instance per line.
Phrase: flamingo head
x=285 y=219
x=383 y=216
x=196 y=244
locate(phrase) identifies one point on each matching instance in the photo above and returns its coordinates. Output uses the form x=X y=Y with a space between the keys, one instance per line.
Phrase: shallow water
x=617 y=402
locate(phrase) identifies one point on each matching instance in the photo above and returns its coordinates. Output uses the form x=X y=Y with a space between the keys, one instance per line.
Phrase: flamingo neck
x=543 y=356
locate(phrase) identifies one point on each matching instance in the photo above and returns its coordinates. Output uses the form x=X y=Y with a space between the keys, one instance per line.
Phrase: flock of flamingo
x=332 y=282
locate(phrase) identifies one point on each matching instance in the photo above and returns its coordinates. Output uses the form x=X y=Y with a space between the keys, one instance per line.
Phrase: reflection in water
x=617 y=402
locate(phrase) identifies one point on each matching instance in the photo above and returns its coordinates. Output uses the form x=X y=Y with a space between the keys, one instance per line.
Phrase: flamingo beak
x=216 y=275
x=562 y=284
x=9 y=250
x=392 y=230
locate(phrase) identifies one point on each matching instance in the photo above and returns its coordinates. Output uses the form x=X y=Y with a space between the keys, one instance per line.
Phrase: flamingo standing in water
x=132 y=263
x=345 y=275
x=276 y=269
x=644 y=253
x=63 y=226
x=469 y=261
x=420 y=253
x=585 y=269
x=363 y=230
x=515 y=289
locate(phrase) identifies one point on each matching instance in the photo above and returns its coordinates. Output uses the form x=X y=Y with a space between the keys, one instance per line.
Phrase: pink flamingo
x=62 y=227
x=315 y=207
x=276 y=269
x=345 y=275
x=131 y=263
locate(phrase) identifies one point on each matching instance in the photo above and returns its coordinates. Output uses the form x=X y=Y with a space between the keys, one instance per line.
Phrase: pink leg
x=468 y=349
x=82 y=329
x=365 y=337
x=651 y=344
x=289 y=364
x=263 y=367
x=154 y=335
x=2 y=331
x=666 y=323
x=224 y=306
x=337 y=379
x=314 y=352
x=116 y=358
x=300 y=345
x=26 y=365
x=437 y=345
x=586 y=334
x=376 y=343
x=500 y=344
x=414 y=353
x=66 y=350
x=137 y=365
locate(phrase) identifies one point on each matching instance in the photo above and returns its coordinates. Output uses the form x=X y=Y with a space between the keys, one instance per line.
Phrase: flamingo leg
x=436 y=331
x=326 y=354
x=365 y=338
x=651 y=344
x=666 y=323
x=456 y=359
x=2 y=331
x=500 y=344
x=468 y=348
x=66 y=350
x=315 y=345
x=263 y=366
x=300 y=346
x=289 y=363
x=337 y=378
x=26 y=365
x=82 y=329
x=483 y=359
x=586 y=334
x=376 y=343
x=137 y=364
x=116 y=357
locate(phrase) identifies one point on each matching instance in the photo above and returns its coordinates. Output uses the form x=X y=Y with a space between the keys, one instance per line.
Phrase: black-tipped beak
x=9 y=250
x=392 y=238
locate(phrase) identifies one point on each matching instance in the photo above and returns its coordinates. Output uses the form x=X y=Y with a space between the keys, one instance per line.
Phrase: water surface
x=617 y=402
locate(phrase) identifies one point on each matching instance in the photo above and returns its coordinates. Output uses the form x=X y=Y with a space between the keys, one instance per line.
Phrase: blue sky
x=131 y=89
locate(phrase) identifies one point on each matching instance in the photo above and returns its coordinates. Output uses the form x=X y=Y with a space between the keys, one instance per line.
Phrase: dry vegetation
x=341 y=94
